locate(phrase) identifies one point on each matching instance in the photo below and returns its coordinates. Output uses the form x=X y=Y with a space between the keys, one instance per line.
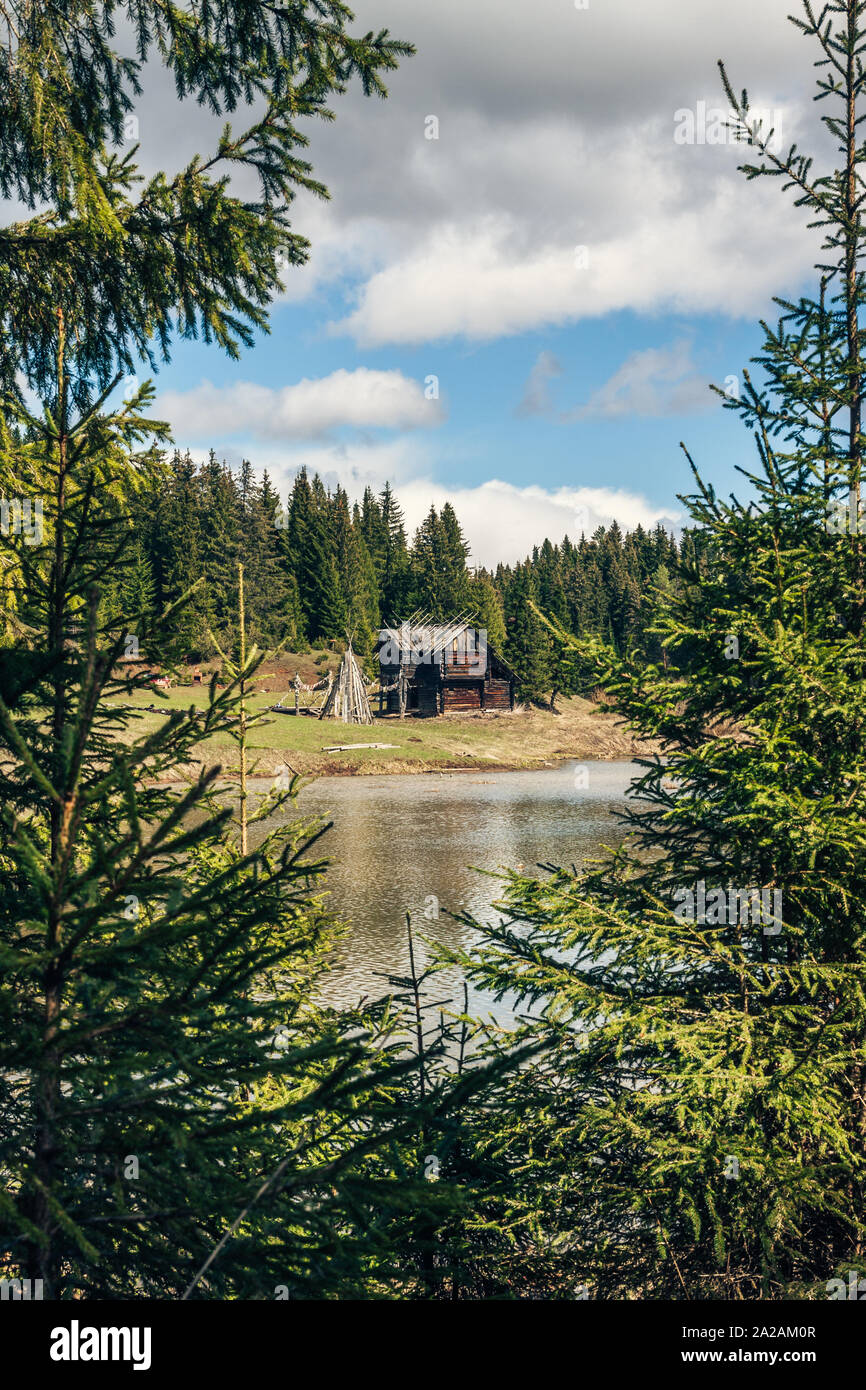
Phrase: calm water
x=415 y=843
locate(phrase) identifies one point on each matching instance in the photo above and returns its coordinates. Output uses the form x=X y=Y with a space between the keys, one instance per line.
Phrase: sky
x=532 y=265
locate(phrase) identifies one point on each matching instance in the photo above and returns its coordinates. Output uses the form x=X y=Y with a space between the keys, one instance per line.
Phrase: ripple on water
x=412 y=843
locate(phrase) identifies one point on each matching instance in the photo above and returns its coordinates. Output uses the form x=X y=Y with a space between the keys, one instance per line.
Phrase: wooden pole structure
x=347 y=698
x=403 y=690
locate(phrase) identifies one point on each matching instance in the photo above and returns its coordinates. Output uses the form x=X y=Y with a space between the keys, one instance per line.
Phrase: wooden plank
x=347 y=747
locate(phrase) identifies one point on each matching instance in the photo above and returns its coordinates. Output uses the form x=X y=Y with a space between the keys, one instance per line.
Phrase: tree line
x=318 y=567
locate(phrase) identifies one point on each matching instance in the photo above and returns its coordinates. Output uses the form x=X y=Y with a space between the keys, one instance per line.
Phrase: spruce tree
x=440 y=579
x=702 y=1107
x=485 y=607
x=159 y=1134
x=311 y=559
x=455 y=553
x=137 y=590
x=222 y=523
x=527 y=644
x=134 y=259
x=275 y=613
x=394 y=572
x=171 y=521
x=356 y=576
x=178 y=1116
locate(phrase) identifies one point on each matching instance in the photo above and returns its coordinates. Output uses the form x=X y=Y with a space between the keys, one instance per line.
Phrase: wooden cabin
x=441 y=668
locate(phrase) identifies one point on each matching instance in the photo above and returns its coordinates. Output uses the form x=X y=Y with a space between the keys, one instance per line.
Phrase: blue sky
x=571 y=272
x=484 y=432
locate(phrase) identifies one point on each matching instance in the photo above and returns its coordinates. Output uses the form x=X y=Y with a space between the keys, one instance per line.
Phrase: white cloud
x=553 y=132
x=360 y=399
x=653 y=381
x=561 y=135
x=504 y=522
x=725 y=252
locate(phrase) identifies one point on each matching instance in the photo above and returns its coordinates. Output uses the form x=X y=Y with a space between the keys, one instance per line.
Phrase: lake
x=414 y=843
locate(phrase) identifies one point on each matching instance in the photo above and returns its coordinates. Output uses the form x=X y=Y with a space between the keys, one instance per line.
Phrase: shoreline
x=615 y=747
x=400 y=767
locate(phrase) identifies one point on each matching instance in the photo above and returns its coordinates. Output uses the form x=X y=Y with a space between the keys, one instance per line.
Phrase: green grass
x=517 y=740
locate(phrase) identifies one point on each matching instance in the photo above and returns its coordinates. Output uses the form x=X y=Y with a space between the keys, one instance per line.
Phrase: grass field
x=521 y=740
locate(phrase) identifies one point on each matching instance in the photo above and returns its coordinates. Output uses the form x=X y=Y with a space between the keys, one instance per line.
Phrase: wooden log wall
x=466 y=695
x=497 y=694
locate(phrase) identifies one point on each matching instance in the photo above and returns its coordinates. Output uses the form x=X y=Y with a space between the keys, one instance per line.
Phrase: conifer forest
x=432 y=817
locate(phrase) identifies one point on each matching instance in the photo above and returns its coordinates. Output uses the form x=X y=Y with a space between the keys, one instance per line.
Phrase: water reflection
x=412 y=843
